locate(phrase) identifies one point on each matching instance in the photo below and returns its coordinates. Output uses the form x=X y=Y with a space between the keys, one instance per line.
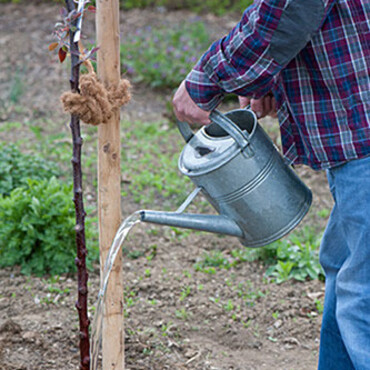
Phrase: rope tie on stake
x=95 y=103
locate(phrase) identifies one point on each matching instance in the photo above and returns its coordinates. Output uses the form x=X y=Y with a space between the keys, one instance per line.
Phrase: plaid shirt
x=314 y=57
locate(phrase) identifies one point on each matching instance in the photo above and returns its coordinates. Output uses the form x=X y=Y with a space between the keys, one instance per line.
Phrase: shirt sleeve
x=246 y=61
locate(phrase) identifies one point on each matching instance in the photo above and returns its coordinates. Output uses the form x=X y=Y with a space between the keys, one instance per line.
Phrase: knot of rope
x=95 y=103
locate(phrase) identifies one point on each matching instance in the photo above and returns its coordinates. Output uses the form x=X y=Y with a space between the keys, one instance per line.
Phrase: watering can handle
x=185 y=130
x=225 y=123
x=230 y=127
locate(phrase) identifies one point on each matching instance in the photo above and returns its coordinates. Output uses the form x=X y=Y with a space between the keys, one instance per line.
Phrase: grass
x=150 y=160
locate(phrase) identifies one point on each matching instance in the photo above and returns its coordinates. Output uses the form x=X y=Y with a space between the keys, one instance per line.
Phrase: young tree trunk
x=82 y=274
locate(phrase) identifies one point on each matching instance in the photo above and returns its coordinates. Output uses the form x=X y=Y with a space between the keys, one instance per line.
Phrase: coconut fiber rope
x=95 y=103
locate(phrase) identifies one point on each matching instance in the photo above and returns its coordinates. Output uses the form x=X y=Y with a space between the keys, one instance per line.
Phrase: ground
x=176 y=317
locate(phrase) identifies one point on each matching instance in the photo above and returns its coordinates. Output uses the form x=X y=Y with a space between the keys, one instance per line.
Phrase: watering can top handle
x=225 y=123
x=230 y=127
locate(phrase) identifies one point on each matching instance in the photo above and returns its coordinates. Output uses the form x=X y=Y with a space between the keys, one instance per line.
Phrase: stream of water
x=97 y=323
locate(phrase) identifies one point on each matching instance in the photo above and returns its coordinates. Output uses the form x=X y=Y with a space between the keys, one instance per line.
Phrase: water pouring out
x=97 y=323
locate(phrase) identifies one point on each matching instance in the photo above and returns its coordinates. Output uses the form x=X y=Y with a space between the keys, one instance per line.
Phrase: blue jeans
x=345 y=257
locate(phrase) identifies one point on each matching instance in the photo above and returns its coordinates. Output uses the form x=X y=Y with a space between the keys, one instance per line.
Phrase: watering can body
x=236 y=166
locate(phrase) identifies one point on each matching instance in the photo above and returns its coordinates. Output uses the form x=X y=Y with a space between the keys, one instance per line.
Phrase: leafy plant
x=297 y=259
x=37 y=228
x=213 y=259
x=162 y=57
x=16 y=168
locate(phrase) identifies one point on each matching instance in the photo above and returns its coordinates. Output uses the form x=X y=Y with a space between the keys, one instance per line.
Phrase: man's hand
x=186 y=110
x=263 y=107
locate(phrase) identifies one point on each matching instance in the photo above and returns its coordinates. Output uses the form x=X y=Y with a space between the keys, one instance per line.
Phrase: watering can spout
x=211 y=223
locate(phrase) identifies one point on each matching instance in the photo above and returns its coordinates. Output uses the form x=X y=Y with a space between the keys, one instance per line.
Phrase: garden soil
x=175 y=317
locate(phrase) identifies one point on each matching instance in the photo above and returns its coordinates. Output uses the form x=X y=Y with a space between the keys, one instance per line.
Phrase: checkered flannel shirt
x=314 y=56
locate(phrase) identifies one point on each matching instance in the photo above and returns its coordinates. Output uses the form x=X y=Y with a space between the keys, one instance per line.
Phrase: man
x=314 y=57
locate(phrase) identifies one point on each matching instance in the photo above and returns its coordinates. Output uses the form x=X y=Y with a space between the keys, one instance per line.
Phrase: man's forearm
x=245 y=62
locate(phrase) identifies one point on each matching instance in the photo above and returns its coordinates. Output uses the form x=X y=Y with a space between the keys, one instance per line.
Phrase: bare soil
x=175 y=317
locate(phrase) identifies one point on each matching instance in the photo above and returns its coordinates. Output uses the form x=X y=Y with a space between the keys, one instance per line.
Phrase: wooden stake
x=109 y=181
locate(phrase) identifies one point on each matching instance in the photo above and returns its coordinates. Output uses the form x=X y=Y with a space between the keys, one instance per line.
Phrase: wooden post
x=109 y=184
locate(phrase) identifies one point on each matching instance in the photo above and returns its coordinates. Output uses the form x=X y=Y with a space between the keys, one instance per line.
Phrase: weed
x=212 y=259
x=182 y=314
x=323 y=213
x=215 y=300
x=165 y=328
x=148 y=273
x=187 y=274
x=152 y=252
x=247 y=323
x=147 y=351
x=248 y=295
x=319 y=306
x=229 y=306
x=135 y=254
x=297 y=258
x=185 y=292
x=282 y=271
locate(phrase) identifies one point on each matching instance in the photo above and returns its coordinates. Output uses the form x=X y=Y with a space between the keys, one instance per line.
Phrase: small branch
x=82 y=274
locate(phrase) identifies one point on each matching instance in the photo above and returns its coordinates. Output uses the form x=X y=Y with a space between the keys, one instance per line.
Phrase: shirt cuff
x=205 y=93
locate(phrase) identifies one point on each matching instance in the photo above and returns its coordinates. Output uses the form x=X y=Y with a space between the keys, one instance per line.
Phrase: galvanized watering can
x=236 y=166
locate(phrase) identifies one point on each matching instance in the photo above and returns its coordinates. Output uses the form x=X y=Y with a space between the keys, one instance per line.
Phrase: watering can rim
x=238 y=140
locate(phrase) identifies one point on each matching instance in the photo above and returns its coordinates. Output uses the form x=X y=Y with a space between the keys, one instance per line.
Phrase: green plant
x=182 y=314
x=213 y=259
x=247 y=293
x=162 y=57
x=229 y=306
x=16 y=168
x=185 y=292
x=37 y=229
x=319 y=306
x=297 y=258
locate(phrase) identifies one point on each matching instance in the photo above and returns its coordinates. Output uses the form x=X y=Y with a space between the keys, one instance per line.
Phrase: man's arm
x=245 y=62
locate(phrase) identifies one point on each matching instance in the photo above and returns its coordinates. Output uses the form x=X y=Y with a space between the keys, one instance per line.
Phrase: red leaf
x=62 y=55
x=91 y=9
x=53 y=46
